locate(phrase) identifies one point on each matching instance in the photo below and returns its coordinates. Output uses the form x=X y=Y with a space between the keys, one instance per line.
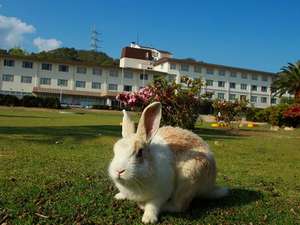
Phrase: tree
x=17 y=52
x=73 y=54
x=288 y=80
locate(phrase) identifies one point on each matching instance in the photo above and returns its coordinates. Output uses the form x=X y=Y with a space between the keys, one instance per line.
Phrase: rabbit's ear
x=127 y=125
x=149 y=121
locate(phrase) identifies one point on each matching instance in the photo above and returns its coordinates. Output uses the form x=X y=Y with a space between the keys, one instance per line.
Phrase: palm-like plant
x=288 y=80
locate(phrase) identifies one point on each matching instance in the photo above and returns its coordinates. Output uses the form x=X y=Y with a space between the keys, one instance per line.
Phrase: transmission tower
x=95 y=41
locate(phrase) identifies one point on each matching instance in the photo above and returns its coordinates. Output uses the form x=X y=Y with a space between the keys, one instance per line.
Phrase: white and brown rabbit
x=162 y=169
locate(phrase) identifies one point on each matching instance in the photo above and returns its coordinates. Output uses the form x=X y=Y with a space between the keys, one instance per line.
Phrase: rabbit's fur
x=162 y=169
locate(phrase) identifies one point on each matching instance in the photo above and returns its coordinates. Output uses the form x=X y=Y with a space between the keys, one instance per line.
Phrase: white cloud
x=46 y=44
x=12 y=31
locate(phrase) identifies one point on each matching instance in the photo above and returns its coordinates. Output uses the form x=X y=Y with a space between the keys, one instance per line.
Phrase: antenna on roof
x=95 y=41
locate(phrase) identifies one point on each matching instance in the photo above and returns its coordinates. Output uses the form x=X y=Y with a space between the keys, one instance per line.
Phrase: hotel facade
x=86 y=84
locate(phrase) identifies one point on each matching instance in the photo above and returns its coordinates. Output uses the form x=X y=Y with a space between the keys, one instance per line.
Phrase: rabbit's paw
x=149 y=217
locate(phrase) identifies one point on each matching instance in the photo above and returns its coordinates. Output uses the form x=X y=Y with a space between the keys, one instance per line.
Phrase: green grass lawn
x=53 y=170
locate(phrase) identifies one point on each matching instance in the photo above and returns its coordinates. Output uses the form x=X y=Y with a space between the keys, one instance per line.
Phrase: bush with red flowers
x=181 y=103
x=292 y=115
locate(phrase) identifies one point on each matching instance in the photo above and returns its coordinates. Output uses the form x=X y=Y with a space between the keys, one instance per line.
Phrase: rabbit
x=162 y=169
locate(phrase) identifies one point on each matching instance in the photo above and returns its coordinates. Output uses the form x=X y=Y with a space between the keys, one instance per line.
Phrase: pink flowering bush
x=136 y=99
x=180 y=102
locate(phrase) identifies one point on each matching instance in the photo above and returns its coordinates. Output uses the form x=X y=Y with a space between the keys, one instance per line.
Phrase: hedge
x=30 y=101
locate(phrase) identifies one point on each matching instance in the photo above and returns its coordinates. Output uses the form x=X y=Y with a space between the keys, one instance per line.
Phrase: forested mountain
x=68 y=54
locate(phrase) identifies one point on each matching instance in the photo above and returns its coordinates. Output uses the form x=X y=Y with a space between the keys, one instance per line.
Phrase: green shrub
x=9 y=100
x=30 y=101
x=100 y=107
x=206 y=107
x=276 y=115
x=258 y=115
x=251 y=114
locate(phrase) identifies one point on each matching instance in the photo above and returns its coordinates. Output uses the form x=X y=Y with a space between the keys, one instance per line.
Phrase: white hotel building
x=86 y=84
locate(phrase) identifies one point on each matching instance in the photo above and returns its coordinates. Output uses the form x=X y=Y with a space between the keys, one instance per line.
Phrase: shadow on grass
x=200 y=207
x=32 y=117
x=61 y=132
x=92 y=131
x=217 y=134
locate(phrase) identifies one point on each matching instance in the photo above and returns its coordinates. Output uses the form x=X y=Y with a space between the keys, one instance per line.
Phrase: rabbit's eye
x=139 y=154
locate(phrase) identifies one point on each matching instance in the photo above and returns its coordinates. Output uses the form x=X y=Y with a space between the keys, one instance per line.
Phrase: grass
x=53 y=170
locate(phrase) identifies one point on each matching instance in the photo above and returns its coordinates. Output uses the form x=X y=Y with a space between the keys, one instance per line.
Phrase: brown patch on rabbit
x=181 y=140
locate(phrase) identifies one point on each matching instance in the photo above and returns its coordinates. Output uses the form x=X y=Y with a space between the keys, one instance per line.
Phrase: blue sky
x=255 y=34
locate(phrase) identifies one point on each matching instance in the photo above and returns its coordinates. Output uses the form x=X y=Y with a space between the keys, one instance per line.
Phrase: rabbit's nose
x=120 y=172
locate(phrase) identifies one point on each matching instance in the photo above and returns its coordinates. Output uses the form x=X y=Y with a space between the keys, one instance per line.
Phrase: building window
x=46 y=66
x=273 y=100
x=112 y=87
x=232 y=85
x=143 y=76
x=232 y=97
x=184 y=67
x=80 y=84
x=8 y=77
x=209 y=82
x=221 y=96
x=254 y=77
x=221 y=83
x=253 y=88
x=264 y=89
x=209 y=71
x=222 y=72
x=263 y=99
x=233 y=74
x=96 y=85
x=63 y=68
x=45 y=81
x=128 y=74
x=9 y=62
x=197 y=69
x=244 y=76
x=243 y=97
x=26 y=79
x=172 y=66
x=127 y=88
x=27 y=64
x=264 y=78
x=243 y=86
x=253 y=99
x=61 y=82
x=97 y=71
x=81 y=69
x=113 y=73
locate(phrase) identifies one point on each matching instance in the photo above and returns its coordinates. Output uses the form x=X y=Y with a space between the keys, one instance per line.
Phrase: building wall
x=111 y=76
x=135 y=63
x=227 y=77
x=114 y=76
